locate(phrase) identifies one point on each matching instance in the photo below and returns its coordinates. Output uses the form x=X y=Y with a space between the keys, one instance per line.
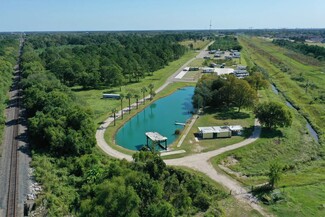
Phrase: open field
x=291 y=75
x=103 y=107
x=197 y=44
x=302 y=183
x=316 y=44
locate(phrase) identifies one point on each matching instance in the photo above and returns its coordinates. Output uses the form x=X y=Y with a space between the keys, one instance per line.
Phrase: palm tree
x=152 y=94
x=144 y=90
x=137 y=96
x=129 y=96
x=121 y=98
x=151 y=86
x=114 y=110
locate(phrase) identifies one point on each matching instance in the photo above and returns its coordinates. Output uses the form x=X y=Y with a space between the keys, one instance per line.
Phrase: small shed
x=215 y=132
x=111 y=96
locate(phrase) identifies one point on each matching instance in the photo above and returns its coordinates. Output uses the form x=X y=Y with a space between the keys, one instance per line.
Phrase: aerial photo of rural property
x=143 y=108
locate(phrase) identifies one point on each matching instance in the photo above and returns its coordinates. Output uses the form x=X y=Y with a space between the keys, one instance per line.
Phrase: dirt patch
x=198 y=148
x=229 y=161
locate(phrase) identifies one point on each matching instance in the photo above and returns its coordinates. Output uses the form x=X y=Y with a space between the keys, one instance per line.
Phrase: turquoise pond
x=160 y=117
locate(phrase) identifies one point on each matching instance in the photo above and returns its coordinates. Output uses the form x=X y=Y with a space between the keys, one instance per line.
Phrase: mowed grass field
x=291 y=72
x=197 y=44
x=102 y=108
x=303 y=178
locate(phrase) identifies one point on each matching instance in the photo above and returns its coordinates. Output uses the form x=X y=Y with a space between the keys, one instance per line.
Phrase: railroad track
x=13 y=173
x=12 y=198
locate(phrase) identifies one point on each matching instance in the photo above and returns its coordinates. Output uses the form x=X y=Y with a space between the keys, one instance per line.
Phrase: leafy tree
x=114 y=110
x=257 y=81
x=151 y=86
x=274 y=174
x=137 y=96
x=121 y=98
x=273 y=115
x=245 y=95
x=162 y=209
x=129 y=96
x=144 y=90
x=112 y=198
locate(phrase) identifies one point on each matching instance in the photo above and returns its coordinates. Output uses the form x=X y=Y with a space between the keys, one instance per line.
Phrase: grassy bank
x=302 y=184
x=291 y=73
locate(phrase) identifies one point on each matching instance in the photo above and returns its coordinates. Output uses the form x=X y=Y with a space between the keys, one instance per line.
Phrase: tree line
x=109 y=60
x=56 y=121
x=225 y=43
x=317 y=52
x=8 y=56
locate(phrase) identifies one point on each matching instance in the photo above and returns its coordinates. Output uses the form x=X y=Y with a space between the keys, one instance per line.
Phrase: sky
x=111 y=15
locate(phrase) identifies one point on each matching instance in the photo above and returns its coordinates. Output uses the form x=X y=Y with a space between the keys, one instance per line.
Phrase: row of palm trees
x=135 y=95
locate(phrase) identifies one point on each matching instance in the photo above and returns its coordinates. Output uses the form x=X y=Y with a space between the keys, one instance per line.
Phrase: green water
x=159 y=117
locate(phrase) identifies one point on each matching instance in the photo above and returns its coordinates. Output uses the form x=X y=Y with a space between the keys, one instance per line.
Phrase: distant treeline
x=8 y=56
x=310 y=50
x=95 y=60
x=225 y=43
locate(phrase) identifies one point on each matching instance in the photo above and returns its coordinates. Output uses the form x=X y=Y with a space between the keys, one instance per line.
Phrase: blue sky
x=79 y=15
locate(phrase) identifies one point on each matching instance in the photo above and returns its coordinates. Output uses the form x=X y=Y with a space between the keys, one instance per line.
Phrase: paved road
x=199 y=162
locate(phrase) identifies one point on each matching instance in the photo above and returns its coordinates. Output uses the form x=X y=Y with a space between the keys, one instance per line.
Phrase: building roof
x=214 y=129
x=235 y=128
x=154 y=136
x=220 y=129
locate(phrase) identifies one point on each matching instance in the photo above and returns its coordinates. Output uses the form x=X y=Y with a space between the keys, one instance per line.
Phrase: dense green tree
x=129 y=96
x=257 y=81
x=245 y=96
x=273 y=115
x=144 y=90
x=114 y=110
x=274 y=174
x=121 y=99
x=112 y=198
x=151 y=86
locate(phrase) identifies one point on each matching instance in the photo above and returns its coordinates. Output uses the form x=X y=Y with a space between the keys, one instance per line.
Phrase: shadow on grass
x=268 y=195
x=271 y=133
x=226 y=113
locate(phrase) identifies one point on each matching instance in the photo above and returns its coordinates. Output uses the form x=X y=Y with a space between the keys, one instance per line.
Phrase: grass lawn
x=102 y=108
x=198 y=62
x=197 y=44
